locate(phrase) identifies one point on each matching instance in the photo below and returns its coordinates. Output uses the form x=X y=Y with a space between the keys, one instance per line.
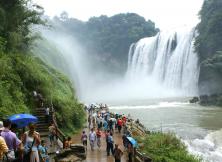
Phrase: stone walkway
x=101 y=155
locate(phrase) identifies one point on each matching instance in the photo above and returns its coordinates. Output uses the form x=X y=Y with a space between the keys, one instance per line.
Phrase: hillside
x=22 y=73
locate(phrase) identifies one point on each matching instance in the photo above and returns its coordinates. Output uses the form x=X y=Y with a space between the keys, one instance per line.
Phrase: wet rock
x=194 y=100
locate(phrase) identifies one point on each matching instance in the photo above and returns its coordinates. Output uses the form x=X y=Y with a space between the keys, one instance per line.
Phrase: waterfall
x=168 y=59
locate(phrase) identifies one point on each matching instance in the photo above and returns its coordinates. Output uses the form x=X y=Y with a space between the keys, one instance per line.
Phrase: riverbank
x=175 y=116
x=159 y=146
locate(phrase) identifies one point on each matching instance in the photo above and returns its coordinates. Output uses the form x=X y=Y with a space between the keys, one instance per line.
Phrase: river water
x=199 y=127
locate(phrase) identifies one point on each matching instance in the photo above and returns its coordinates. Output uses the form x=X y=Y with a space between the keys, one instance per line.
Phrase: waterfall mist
x=158 y=67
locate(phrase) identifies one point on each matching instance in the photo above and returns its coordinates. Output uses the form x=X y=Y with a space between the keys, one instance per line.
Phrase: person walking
x=84 y=139
x=119 y=124
x=47 y=114
x=12 y=141
x=92 y=138
x=110 y=144
x=98 y=136
x=52 y=133
x=130 y=152
x=89 y=121
x=117 y=153
x=43 y=152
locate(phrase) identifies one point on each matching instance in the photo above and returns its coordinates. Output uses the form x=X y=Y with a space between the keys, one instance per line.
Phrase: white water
x=199 y=127
x=166 y=62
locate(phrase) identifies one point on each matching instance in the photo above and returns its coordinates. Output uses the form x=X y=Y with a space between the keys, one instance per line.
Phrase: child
x=84 y=139
x=43 y=152
x=68 y=142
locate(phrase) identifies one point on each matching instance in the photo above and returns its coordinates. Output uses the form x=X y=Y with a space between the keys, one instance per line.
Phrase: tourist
x=110 y=144
x=94 y=121
x=31 y=141
x=52 y=133
x=98 y=136
x=99 y=122
x=3 y=145
x=3 y=148
x=105 y=125
x=107 y=135
x=125 y=141
x=117 y=153
x=130 y=152
x=89 y=121
x=47 y=114
x=92 y=138
x=69 y=142
x=43 y=152
x=119 y=124
x=12 y=141
x=84 y=139
x=110 y=123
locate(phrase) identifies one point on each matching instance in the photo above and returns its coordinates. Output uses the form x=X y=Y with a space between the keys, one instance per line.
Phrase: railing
x=140 y=157
x=59 y=134
x=141 y=130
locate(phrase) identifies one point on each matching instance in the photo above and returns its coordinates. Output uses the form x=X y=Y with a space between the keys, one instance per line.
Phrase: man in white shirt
x=92 y=138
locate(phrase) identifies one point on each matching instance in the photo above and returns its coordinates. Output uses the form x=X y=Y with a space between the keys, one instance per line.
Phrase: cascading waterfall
x=167 y=59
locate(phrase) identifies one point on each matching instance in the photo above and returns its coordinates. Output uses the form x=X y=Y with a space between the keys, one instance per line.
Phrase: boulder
x=76 y=153
x=194 y=100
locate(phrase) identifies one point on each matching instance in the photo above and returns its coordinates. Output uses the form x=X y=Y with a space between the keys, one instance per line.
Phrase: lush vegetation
x=208 y=45
x=165 y=147
x=21 y=72
x=108 y=38
x=17 y=18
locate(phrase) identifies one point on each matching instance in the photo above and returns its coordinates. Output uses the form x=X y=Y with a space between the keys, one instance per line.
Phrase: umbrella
x=22 y=120
x=132 y=141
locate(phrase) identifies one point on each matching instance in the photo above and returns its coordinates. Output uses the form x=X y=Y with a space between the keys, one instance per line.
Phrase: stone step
x=41 y=130
x=44 y=134
x=43 y=124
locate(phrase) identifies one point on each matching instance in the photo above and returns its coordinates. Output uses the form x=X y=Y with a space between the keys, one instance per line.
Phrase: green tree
x=17 y=18
x=208 y=43
x=108 y=38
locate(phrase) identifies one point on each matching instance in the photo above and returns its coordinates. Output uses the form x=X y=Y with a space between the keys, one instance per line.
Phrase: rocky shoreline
x=208 y=100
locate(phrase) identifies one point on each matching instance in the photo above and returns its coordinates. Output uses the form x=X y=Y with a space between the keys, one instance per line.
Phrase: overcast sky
x=166 y=14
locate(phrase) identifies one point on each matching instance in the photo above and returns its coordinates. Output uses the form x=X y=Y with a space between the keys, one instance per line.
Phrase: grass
x=165 y=147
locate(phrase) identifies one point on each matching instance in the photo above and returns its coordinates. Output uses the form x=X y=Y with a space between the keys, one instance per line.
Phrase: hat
x=1 y=125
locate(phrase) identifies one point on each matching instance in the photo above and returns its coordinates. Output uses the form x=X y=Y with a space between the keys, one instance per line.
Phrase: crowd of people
x=21 y=147
x=27 y=146
x=18 y=145
x=103 y=124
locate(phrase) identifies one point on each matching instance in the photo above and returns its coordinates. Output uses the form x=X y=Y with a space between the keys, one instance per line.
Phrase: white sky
x=166 y=14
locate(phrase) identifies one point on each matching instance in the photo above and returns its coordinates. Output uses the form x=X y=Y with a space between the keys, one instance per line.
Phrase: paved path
x=101 y=155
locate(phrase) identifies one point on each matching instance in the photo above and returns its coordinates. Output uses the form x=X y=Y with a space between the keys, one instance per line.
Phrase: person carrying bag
x=31 y=141
x=27 y=155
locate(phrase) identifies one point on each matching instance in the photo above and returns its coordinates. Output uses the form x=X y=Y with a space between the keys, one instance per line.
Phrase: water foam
x=209 y=148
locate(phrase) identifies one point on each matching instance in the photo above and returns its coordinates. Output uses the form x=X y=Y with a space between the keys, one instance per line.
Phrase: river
x=199 y=127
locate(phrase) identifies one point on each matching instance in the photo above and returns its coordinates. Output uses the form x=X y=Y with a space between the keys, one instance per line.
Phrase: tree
x=208 y=44
x=17 y=18
x=108 y=38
